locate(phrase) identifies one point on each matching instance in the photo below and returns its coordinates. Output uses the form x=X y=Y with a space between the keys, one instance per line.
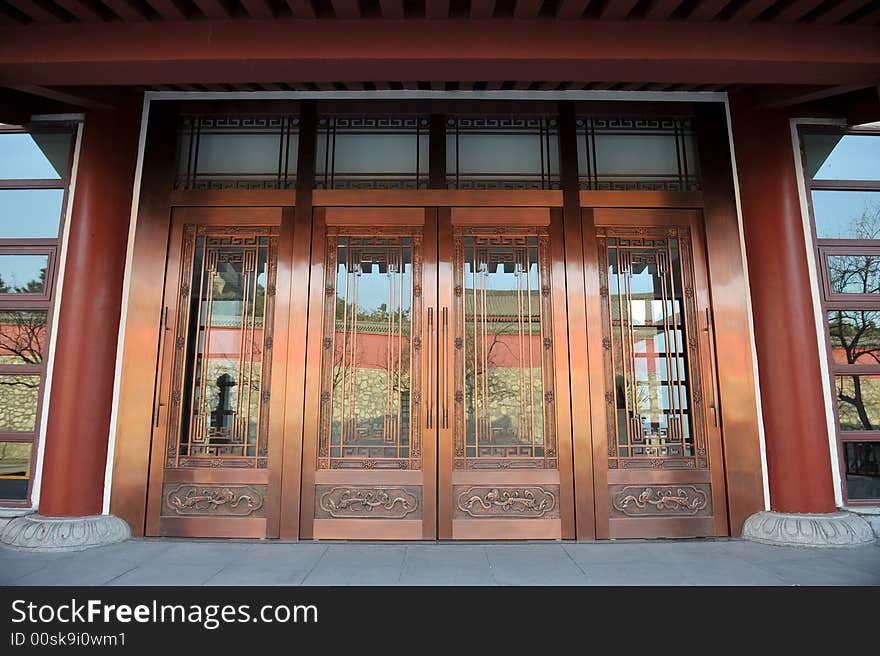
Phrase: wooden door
x=661 y=472
x=501 y=310
x=211 y=450
x=369 y=464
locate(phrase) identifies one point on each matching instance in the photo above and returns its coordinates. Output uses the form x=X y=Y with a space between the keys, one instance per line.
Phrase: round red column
x=85 y=344
x=792 y=399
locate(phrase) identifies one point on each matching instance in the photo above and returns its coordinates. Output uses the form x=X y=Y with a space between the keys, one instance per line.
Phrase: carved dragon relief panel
x=681 y=499
x=368 y=502
x=506 y=502
x=194 y=500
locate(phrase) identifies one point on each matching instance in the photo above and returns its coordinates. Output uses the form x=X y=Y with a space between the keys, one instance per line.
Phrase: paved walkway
x=207 y=562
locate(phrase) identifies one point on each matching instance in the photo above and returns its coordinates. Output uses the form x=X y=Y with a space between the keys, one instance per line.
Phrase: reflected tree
x=855 y=334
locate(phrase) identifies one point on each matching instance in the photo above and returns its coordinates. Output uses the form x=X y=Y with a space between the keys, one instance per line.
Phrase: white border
x=810 y=246
x=126 y=288
x=56 y=311
x=680 y=96
x=413 y=94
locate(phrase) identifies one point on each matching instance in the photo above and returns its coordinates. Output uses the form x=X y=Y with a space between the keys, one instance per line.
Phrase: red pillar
x=793 y=403
x=85 y=348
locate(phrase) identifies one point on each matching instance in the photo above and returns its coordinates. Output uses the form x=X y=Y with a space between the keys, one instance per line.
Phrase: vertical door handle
x=444 y=368
x=429 y=405
x=157 y=390
x=710 y=336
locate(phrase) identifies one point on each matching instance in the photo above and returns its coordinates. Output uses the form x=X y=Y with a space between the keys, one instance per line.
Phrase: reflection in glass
x=854 y=274
x=847 y=214
x=858 y=401
x=505 y=320
x=15 y=469
x=502 y=152
x=842 y=157
x=372 y=152
x=37 y=156
x=862 y=470
x=18 y=402
x=23 y=274
x=624 y=153
x=237 y=152
x=22 y=336
x=648 y=338
x=368 y=398
x=223 y=385
x=30 y=213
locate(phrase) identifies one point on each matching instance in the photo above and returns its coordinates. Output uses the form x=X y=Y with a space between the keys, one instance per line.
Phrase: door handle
x=157 y=389
x=710 y=338
x=429 y=404
x=444 y=368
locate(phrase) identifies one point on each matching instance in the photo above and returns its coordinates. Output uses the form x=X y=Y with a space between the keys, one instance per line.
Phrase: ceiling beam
x=437 y=9
x=212 y=9
x=392 y=8
x=101 y=99
x=346 y=9
x=789 y=97
x=125 y=9
x=482 y=9
x=527 y=8
x=35 y=10
x=268 y=51
x=255 y=8
x=618 y=9
x=301 y=8
x=796 y=10
x=662 y=9
x=82 y=10
x=751 y=10
x=707 y=10
x=840 y=11
x=167 y=9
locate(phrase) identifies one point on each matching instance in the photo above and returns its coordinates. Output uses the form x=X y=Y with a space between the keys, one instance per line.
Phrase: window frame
x=829 y=302
x=52 y=247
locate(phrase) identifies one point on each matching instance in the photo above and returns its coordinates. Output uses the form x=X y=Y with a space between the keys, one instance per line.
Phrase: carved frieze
x=661 y=500
x=492 y=501
x=367 y=502
x=193 y=500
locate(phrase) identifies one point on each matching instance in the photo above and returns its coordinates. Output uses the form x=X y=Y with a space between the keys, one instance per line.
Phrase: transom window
x=372 y=152
x=502 y=152
x=637 y=154
x=843 y=180
x=237 y=152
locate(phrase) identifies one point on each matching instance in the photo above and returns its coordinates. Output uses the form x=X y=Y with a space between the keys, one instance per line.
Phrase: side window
x=842 y=171
x=35 y=167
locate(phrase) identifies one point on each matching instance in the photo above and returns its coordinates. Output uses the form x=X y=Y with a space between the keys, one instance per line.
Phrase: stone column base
x=838 y=529
x=38 y=533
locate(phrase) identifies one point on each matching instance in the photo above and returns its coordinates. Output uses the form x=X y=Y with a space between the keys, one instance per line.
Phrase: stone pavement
x=239 y=562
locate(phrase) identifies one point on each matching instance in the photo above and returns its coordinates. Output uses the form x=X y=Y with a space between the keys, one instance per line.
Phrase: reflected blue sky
x=853 y=157
x=30 y=213
x=838 y=214
x=21 y=157
x=19 y=270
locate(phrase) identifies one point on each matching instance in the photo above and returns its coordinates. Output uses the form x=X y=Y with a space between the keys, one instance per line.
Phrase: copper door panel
x=497 y=384
x=663 y=475
x=368 y=478
x=211 y=444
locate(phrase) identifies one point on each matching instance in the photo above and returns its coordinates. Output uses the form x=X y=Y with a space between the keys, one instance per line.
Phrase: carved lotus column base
x=38 y=533
x=839 y=529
